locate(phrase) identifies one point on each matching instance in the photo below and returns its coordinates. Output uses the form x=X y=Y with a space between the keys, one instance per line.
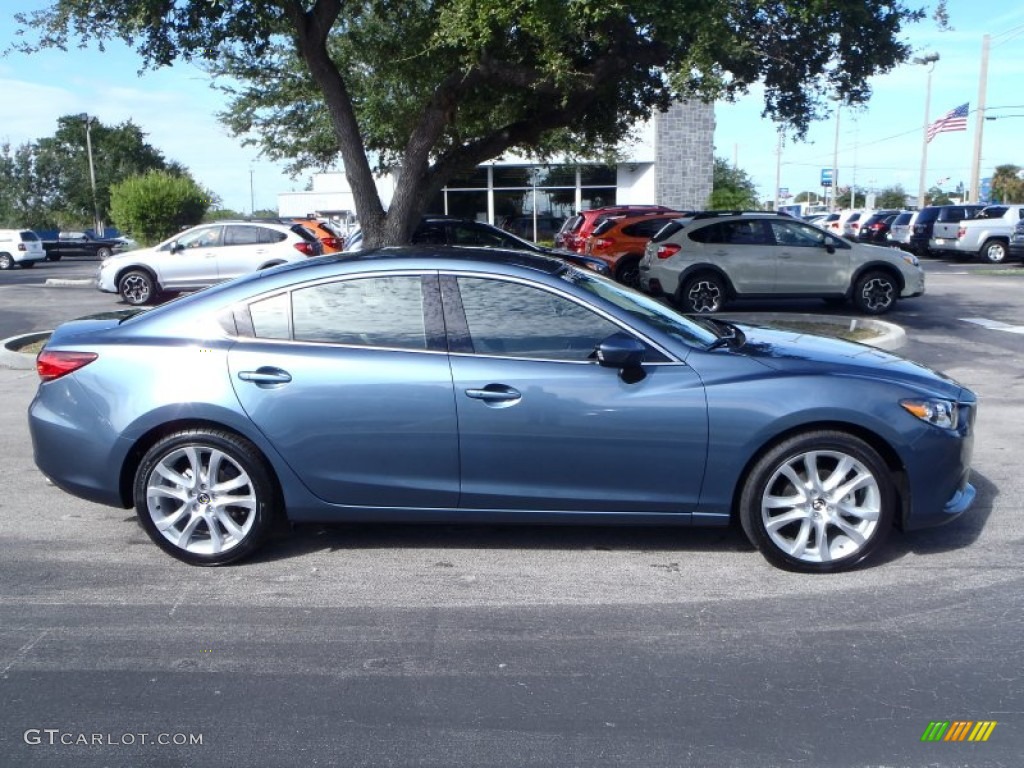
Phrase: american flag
x=954 y=120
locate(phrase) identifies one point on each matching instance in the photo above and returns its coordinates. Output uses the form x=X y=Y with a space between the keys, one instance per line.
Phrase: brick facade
x=684 y=155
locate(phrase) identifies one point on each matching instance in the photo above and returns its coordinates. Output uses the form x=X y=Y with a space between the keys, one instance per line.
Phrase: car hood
x=797 y=352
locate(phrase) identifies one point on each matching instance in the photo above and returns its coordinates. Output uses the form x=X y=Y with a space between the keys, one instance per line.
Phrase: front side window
x=203 y=237
x=508 y=319
x=794 y=234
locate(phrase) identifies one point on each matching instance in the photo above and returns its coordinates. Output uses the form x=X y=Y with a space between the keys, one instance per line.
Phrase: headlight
x=941 y=413
x=911 y=259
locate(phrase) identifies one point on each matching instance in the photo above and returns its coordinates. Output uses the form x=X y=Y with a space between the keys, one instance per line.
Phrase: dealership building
x=669 y=162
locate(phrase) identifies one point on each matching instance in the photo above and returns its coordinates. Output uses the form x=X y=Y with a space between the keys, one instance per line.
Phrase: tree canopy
x=731 y=188
x=46 y=184
x=1008 y=184
x=430 y=88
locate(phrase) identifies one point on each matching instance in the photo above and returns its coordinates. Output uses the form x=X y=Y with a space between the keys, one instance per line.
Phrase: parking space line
x=994 y=325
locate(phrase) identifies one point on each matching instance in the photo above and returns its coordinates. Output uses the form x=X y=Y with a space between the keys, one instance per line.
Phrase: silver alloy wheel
x=995 y=252
x=820 y=506
x=704 y=296
x=135 y=288
x=201 y=500
x=6 y=262
x=877 y=294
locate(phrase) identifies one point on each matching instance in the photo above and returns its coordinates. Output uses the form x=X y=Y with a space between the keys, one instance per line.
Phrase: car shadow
x=308 y=538
x=957 y=534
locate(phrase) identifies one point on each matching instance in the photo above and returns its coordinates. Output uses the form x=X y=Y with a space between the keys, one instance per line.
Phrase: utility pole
x=778 y=170
x=979 y=123
x=835 y=161
x=929 y=60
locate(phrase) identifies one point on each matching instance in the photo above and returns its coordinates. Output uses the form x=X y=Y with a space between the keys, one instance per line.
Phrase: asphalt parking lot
x=504 y=646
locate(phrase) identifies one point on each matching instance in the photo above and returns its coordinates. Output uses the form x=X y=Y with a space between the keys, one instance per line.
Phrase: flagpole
x=979 y=124
x=930 y=60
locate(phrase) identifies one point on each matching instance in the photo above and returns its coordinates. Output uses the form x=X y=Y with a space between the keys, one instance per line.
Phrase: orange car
x=619 y=241
x=331 y=239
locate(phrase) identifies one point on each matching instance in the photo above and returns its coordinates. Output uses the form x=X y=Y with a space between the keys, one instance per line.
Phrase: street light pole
x=97 y=222
x=835 y=160
x=930 y=60
x=979 y=122
x=252 y=195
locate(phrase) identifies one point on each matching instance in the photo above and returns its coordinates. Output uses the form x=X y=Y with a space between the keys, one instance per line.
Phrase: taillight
x=668 y=250
x=21 y=247
x=602 y=242
x=53 y=365
x=304 y=247
x=961 y=232
x=332 y=242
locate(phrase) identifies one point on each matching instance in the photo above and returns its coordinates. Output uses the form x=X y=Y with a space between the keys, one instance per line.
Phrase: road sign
x=826 y=177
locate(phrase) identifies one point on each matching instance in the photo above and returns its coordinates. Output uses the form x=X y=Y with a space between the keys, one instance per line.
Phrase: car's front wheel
x=875 y=293
x=818 y=502
x=628 y=272
x=703 y=294
x=136 y=287
x=994 y=251
x=205 y=497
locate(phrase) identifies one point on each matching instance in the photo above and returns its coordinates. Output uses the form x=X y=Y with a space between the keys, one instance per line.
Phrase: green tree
x=154 y=206
x=431 y=89
x=1008 y=184
x=894 y=197
x=935 y=196
x=731 y=189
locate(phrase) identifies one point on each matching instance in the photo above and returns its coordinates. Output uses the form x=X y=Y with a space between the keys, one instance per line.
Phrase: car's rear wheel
x=628 y=272
x=703 y=294
x=27 y=264
x=6 y=262
x=818 y=502
x=994 y=251
x=53 y=257
x=875 y=293
x=205 y=497
x=136 y=287
x=104 y=252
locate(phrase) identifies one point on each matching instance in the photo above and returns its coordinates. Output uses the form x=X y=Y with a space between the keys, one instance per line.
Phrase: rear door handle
x=495 y=393
x=266 y=376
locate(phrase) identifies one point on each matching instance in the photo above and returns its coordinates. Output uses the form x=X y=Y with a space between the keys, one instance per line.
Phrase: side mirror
x=176 y=247
x=620 y=350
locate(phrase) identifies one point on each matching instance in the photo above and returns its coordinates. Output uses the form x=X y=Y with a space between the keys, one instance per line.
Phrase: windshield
x=643 y=308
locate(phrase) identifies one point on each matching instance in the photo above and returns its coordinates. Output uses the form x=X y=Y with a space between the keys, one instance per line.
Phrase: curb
x=890 y=336
x=67 y=282
x=20 y=361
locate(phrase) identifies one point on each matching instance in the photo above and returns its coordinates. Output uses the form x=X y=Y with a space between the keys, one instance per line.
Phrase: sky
x=879 y=145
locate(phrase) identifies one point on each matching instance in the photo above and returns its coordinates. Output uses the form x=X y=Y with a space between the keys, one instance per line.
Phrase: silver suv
x=202 y=256
x=702 y=261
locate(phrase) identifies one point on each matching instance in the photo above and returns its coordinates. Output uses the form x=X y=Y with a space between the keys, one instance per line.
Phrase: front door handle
x=496 y=393
x=266 y=376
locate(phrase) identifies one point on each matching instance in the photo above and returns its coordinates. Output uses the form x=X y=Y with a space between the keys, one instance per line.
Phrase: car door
x=349 y=380
x=743 y=249
x=244 y=250
x=544 y=427
x=809 y=261
x=191 y=260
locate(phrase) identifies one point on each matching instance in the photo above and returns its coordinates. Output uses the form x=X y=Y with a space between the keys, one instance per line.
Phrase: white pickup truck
x=987 y=236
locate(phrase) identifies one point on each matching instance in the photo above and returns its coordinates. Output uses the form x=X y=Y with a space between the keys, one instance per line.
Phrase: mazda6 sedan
x=427 y=384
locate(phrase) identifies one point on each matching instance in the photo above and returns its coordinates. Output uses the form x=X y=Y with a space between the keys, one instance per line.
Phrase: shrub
x=154 y=206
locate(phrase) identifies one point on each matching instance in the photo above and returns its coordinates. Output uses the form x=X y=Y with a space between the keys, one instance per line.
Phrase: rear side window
x=740 y=232
x=645 y=228
x=268 y=235
x=903 y=218
x=299 y=230
x=927 y=215
x=29 y=236
x=242 y=235
x=603 y=226
x=993 y=212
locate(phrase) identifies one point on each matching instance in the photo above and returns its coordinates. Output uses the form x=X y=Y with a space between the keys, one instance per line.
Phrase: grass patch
x=33 y=348
x=1006 y=272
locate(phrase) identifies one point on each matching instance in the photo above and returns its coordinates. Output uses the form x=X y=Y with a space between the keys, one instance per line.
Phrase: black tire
x=823 y=530
x=994 y=251
x=628 y=272
x=875 y=293
x=6 y=262
x=27 y=264
x=703 y=294
x=195 y=521
x=136 y=287
x=104 y=253
x=53 y=257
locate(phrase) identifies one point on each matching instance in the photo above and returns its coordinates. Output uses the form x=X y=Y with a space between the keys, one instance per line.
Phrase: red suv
x=576 y=229
x=619 y=241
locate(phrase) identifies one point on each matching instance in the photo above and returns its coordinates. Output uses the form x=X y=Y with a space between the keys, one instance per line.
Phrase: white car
x=202 y=256
x=20 y=247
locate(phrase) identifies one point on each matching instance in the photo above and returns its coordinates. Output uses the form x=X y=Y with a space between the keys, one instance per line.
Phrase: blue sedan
x=427 y=384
